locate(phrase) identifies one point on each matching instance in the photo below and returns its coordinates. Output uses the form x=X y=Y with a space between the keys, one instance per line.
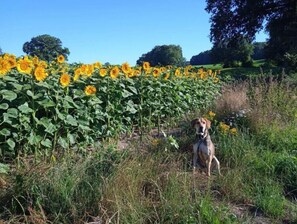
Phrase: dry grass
x=233 y=99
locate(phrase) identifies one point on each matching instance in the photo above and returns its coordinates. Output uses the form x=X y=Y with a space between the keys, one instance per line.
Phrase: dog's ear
x=208 y=123
x=193 y=122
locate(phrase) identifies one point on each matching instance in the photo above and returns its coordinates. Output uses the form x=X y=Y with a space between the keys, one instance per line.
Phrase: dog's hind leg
x=217 y=164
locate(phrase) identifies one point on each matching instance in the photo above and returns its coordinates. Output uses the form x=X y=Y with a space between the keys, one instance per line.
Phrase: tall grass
x=68 y=191
x=159 y=189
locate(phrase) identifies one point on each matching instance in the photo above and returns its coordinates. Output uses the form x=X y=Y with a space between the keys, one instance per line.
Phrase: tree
x=202 y=58
x=233 y=19
x=45 y=47
x=163 y=55
x=1 y=51
x=233 y=53
x=259 y=50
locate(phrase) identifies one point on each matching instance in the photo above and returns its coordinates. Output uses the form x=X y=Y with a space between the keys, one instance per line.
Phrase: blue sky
x=113 y=31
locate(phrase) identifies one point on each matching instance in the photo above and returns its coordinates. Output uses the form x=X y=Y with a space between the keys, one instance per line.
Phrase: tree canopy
x=202 y=58
x=45 y=47
x=241 y=53
x=163 y=55
x=235 y=20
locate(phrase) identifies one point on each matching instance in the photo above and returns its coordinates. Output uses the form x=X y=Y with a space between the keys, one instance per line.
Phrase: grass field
x=260 y=68
x=151 y=180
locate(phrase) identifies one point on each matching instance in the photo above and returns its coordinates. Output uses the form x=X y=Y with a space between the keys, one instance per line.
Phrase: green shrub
x=279 y=138
x=286 y=173
x=268 y=197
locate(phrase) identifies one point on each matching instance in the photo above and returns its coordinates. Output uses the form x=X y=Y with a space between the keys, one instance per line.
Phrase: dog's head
x=201 y=125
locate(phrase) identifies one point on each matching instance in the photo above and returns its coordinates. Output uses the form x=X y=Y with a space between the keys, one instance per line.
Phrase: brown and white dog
x=203 y=146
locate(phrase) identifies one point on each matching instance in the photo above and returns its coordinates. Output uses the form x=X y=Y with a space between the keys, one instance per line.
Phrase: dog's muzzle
x=201 y=133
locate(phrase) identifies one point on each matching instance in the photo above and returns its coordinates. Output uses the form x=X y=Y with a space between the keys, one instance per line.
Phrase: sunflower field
x=50 y=106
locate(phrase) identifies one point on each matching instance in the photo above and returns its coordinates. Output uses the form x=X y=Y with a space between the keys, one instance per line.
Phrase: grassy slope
x=258 y=68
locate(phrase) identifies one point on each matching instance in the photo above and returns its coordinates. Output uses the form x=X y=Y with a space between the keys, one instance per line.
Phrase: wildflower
x=65 y=80
x=90 y=90
x=40 y=73
x=25 y=65
x=155 y=142
x=211 y=115
x=224 y=127
x=60 y=59
x=114 y=72
x=233 y=131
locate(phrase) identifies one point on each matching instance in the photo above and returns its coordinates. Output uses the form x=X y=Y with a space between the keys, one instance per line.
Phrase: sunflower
x=89 y=70
x=90 y=90
x=156 y=72
x=60 y=59
x=137 y=72
x=126 y=68
x=166 y=77
x=103 y=72
x=35 y=60
x=203 y=75
x=177 y=73
x=25 y=65
x=40 y=73
x=146 y=66
x=11 y=61
x=65 y=80
x=97 y=65
x=114 y=72
x=42 y=64
x=4 y=67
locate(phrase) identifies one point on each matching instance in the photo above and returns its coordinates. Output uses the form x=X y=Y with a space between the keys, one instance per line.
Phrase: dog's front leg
x=195 y=157
x=208 y=167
